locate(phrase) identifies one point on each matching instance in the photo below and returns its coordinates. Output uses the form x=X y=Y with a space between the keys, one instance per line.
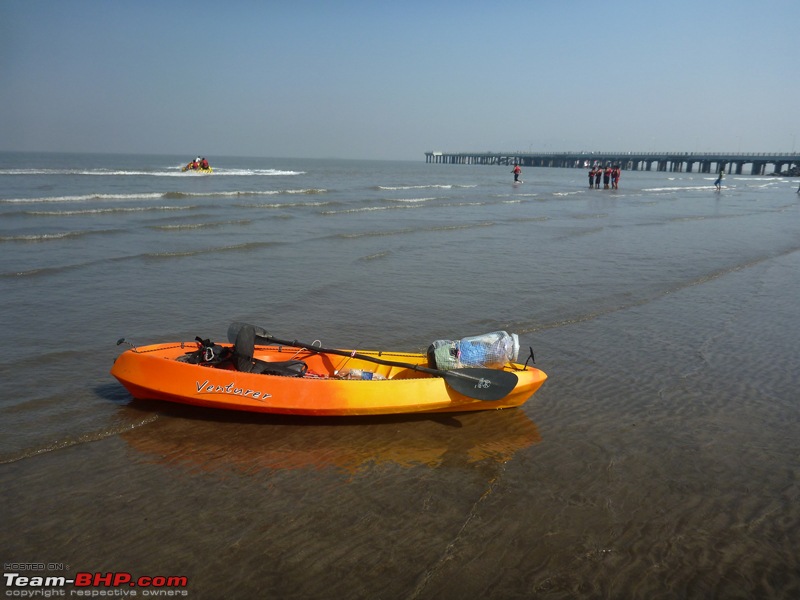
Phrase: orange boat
x=287 y=377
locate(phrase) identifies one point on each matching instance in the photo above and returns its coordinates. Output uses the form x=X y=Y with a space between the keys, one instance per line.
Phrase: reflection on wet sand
x=214 y=441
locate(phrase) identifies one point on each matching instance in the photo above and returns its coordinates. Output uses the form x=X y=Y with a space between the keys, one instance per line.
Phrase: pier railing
x=703 y=162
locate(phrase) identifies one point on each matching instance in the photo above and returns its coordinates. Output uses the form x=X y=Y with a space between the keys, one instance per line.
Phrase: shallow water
x=659 y=460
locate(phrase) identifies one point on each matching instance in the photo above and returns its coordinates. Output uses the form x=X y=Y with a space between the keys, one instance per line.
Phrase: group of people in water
x=198 y=164
x=610 y=176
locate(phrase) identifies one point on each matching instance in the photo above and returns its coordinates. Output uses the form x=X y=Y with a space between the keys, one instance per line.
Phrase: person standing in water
x=718 y=182
x=607 y=177
x=516 y=171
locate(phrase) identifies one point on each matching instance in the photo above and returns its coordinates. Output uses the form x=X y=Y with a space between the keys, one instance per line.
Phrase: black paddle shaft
x=483 y=384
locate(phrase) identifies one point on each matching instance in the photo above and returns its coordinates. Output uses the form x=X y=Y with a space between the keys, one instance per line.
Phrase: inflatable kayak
x=259 y=373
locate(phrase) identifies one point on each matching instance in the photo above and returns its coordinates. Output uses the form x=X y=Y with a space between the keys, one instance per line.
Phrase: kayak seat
x=243 y=350
x=289 y=368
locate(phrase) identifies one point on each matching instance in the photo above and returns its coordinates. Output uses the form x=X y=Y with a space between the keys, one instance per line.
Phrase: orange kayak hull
x=154 y=373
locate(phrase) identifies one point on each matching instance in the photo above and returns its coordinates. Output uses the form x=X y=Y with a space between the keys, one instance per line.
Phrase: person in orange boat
x=204 y=163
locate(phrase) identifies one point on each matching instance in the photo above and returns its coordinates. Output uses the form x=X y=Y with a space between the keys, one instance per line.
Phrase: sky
x=391 y=80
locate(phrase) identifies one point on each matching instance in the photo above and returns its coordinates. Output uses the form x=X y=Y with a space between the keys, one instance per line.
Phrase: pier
x=677 y=162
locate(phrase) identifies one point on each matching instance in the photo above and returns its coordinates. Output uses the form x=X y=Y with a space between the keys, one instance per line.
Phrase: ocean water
x=661 y=459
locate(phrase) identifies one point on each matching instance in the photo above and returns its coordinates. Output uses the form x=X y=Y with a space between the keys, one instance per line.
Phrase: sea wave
x=409 y=230
x=182 y=226
x=239 y=193
x=68 y=441
x=83 y=198
x=53 y=270
x=200 y=251
x=172 y=172
x=683 y=188
x=100 y=211
x=376 y=256
x=47 y=237
x=441 y=186
x=399 y=204
x=369 y=209
x=172 y=195
x=256 y=172
x=285 y=204
x=414 y=200
x=42 y=271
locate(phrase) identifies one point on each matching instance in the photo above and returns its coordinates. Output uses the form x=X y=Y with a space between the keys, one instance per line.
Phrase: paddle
x=481 y=384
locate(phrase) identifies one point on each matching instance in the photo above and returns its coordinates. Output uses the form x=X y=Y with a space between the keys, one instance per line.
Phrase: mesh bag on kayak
x=490 y=350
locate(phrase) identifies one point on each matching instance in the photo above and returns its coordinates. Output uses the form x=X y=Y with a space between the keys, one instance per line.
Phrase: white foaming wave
x=43 y=237
x=83 y=198
x=173 y=172
x=158 y=195
x=308 y=191
x=255 y=172
x=285 y=205
x=100 y=211
x=61 y=172
x=93 y=172
x=365 y=209
x=413 y=200
x=219 y=171
x=677 y=188
x=418 y=187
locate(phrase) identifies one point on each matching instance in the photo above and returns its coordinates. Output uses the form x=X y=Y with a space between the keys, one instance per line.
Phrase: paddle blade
x=482 y=384
x=236 y=326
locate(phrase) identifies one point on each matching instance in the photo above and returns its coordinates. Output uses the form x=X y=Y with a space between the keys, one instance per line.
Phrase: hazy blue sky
x=393 y=79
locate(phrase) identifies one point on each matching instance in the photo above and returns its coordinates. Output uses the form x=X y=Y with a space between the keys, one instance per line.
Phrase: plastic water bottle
x=364 y=375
